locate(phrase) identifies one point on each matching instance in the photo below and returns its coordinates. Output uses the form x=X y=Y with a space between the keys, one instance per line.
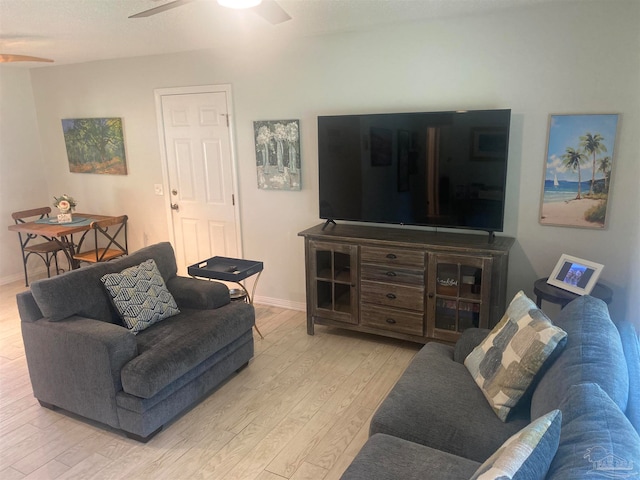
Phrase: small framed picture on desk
x=575 y=274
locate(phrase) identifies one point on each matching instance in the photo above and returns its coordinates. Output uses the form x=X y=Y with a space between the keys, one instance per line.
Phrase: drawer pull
x=391 y=256
x=390 y=320
x=391 y=296
x=391 y=274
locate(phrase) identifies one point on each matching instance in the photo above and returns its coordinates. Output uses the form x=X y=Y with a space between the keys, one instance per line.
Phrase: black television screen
x=445 y=169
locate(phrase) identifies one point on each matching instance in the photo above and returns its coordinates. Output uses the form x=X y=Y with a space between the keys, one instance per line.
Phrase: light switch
x=157 y=188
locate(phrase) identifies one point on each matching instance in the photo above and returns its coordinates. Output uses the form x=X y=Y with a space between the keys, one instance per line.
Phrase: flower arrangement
x=64 y=203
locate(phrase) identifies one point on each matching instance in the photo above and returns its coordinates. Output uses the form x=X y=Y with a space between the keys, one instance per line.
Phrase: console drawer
x=392 y=274
x=397 y=296
x=392 y=256
x=390 y=319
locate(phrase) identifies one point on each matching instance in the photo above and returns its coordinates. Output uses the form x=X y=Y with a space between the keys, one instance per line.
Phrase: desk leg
x=250 y=298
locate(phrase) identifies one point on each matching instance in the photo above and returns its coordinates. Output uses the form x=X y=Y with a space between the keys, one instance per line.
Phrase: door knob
x=175 y=206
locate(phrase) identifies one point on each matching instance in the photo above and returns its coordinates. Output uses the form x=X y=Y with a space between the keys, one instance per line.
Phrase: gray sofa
x=436 y=423
x=82 y=359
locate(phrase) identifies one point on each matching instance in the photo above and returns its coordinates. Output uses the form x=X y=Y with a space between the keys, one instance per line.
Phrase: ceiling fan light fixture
x=239 y=4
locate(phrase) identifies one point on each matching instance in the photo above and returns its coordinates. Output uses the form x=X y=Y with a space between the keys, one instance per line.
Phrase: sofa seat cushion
x=140 y=295
x=171 y=348
x=593 y=354
x=384 y=457
x=509 y=358
x=596 y=439
x=527 y=454
x=437 y=403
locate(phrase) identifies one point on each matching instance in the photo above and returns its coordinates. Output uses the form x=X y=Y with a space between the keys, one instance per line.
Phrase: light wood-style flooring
x=301 y=410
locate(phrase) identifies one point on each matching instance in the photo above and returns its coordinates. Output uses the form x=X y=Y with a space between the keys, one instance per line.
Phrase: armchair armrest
x=75 y=364
x=198 y=294
x=470 y=339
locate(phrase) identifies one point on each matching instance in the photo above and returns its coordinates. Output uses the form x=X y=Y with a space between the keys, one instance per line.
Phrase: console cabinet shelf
x=402 y=283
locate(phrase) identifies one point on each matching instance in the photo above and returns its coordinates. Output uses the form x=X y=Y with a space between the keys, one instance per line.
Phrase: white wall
x=23 y=183
x=576 y=58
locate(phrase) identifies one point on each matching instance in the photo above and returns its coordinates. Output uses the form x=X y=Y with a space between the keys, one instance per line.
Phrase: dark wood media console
x=410 y=284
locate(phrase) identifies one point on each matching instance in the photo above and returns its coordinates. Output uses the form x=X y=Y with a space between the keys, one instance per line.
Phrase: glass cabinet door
x=458 y=294
x=334 y=281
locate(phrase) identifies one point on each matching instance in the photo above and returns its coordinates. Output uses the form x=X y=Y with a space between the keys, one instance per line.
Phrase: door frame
x=158 y=94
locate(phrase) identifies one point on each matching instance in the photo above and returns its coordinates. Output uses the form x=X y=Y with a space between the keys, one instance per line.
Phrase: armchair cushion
x=505 y=363
x=140 y=295
x=199 y=294
x=171 y=348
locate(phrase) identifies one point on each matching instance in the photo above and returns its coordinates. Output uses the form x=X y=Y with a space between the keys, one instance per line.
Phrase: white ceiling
x=73 y=31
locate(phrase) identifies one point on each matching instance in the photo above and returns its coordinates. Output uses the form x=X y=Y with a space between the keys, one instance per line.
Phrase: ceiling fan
x=8 y=57
x=267 y=9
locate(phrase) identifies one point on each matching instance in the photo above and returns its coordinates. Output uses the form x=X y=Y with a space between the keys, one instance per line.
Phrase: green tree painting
x=95 y=145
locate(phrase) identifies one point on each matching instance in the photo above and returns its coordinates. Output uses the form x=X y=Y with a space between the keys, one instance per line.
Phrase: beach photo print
x=577 y=178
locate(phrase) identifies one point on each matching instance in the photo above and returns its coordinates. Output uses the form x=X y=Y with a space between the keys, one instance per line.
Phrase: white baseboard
x=11 y=278
x=278 y=302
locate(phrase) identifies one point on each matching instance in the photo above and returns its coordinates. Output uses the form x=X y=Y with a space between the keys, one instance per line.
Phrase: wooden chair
x=115 y=239
x=47 y=251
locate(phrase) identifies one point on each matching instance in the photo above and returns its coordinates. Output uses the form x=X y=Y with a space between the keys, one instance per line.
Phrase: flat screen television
x=439 y=169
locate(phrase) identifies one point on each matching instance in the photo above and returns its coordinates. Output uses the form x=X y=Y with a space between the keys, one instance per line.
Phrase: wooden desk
x=61 y=232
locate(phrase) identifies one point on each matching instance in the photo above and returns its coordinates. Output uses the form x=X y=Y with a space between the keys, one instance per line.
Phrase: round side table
x=544 y=291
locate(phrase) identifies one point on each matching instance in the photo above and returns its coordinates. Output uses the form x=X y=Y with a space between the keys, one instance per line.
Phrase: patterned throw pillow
x=506 y=362
x=140 y=295
x=527 y=454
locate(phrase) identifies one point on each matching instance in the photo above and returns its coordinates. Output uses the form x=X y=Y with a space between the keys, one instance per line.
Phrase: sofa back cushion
x=80 y=292
x=593 y=353
x=596 y=439
x=631 y=348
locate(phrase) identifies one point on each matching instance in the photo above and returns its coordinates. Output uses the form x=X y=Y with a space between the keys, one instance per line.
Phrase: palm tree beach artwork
x=278 y=154
x=578 y=170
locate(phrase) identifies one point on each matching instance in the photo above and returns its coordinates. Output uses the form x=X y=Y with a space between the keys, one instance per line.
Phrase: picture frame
x=489 y=143
x=95 y=145
x=579 y=162
x=277 y=147
x=575 y=275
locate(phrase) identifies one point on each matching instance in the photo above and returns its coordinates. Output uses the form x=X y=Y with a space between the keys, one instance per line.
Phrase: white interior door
x=200 y=176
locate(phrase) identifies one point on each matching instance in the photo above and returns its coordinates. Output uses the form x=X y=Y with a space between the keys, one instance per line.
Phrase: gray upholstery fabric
x=80 y=292
x=384 y=457
x=27 y=307
x=75 y=364
x=195 y=293
x=179 y=399
x=596 y=439
x=631 y=348
x=437 y=403
x=470 y=339
x=80 y=364
x=593 y=353
x=171 y=348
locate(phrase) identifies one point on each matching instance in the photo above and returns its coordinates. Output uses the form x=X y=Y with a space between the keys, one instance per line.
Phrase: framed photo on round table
x=575 y=274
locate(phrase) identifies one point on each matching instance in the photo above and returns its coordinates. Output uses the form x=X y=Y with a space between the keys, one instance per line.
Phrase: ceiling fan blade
x=271 y=12
x=7 y=58
x=161 y=8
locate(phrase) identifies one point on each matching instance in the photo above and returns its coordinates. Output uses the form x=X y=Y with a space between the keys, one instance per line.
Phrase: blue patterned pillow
x=527 y=454
x=140 y=295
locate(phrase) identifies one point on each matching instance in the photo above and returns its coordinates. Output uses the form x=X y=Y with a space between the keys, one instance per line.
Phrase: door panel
x=200 y=174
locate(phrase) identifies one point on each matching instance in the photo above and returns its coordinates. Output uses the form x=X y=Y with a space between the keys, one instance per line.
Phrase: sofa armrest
x=470 y=339
x=198 y=294
x=75 y=364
